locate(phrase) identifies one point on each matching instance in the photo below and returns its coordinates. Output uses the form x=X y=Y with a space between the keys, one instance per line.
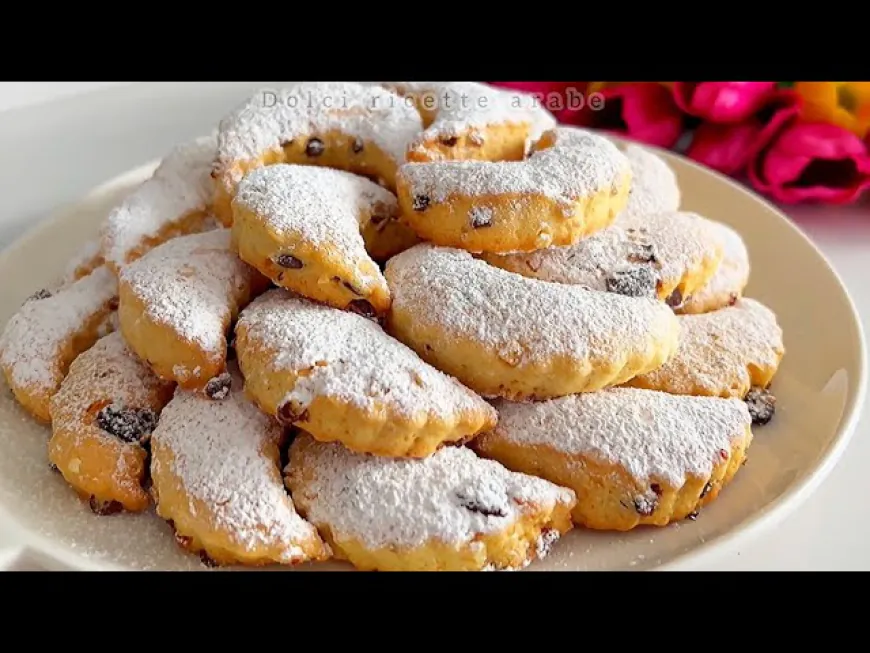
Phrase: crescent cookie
x=721 y=354
x=451 y=511
x=102 y=418
x=469 y=120
x=216 y=476
x=175 y=201
x=502 y=334
x=631 y=456
x=300 y=226
x=178 y=301
x=654 y=186
x=337 y=375
x=572 y=185
x=355 y=127
x=47 y=333
x=663 y=255
x=727 y=285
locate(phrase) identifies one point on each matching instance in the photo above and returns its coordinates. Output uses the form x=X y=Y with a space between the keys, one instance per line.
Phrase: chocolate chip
x=357 y=146
x=104 y=507
x=206 y=560
x=656 y=488
x=480 y=218
x=692 y=516
x=288 y=261
x=475 y=505
x=39 y=294
x=707 y=488
x=761 y=404
x=54 y=468
x=675 y=299
x=642 y=253
x=314 y=147
x=362 y=307
x=128 y=424
x=636 y=281
x=421 y=202
x=219 y=387
x=449 y=141
x=291 y=411
x=732 y=298
x=645 y=506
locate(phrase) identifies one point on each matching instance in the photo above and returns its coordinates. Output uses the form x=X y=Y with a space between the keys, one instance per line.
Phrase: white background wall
x=18 y=94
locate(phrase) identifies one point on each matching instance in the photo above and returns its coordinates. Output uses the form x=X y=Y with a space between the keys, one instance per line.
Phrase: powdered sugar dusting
x=274 y=116
x=86 y=259
x=451 y=496
x=180 y=186
x=188 y=283
x=653 y=435
x=35 y=342
x=718 y=348
x=731 y=277
x=654 y=187
x=218 y=454
x=517 y=316
x=578 y=164
x=320 y=206
x=351 y=360
x=671 y=244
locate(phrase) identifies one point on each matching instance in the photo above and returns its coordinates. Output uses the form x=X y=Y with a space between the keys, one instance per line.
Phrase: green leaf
x=785 y=84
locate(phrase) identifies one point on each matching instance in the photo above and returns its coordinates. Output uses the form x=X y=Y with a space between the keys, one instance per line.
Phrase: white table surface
x=76 y=138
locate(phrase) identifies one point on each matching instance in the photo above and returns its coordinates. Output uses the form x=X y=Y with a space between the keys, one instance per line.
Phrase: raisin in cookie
x=470 y=120
x=573 y=184
x=101 y=420
x=721 y=354
x=300 y=226
x=178 y=301
x=216 y=476
x=631 y=456
x=727 y=285
x=340 y=377
x=44 y=337
x=502 y=334
x=451 y=511
x=174 y=201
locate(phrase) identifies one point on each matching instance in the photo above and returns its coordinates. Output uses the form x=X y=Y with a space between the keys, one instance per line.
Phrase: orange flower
x=845 y=104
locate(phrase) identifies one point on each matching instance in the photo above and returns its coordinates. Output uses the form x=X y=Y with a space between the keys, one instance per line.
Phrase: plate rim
x=26 y=542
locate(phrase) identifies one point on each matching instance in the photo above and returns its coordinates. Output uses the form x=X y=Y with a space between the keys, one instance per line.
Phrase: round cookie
x=340 y=377
x=631 y=456
x=721 y=354
x=451 y=511
x=216 y=477
x=664 y=255
x=355 y=127
x=573 y=184
x=178 y=301
x=727 y=285
x=300 y=226
x=470 y=120
x=101 y=420
x=43 y=338
x=175 y=201
x=502 y=334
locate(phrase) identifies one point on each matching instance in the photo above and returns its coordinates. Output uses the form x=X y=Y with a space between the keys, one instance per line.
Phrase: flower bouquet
x=792 y=141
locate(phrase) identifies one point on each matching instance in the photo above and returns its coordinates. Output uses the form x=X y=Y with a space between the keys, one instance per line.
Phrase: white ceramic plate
x=820 y=388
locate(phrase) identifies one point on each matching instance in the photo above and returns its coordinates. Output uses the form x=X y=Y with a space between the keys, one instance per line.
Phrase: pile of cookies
x=415 y=326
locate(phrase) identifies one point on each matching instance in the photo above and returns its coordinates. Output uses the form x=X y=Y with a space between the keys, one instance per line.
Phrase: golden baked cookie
x=727 y=285
x=216 y=477
x=631 y=456
x=337 y=375
x=721 y=354
x=86 y=259
x=177 y=304
x=664 y=255
x=175 y=201
x=470 y=120
x=355 y=127
x=47 y=333
x=502 y=334
x=451 y=511
x=300 y=226
x=572 y=185
x=101 y=421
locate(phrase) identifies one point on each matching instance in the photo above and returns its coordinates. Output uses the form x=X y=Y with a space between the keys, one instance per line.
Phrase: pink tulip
x=811 y=161
x=730 y=148
x=722 y=102
x=641 y=111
